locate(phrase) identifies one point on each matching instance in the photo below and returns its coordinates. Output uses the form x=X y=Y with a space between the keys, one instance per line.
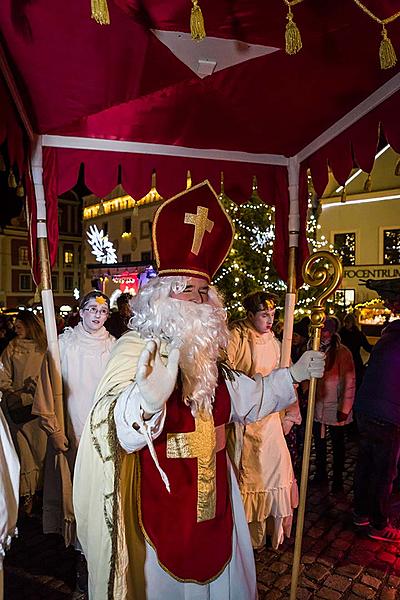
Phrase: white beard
x=199 y=331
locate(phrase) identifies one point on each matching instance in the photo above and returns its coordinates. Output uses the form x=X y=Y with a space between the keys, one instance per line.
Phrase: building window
x=126 y=258
x=345 y=298
x=68 y=283
x=391 y=247
x=145 y=257
x=145 y=229
x=23 y=258
x=25 y=283
x=345 y=244
x=68 y=258
x=54 y=283
x=105 y=228
x=127 y=225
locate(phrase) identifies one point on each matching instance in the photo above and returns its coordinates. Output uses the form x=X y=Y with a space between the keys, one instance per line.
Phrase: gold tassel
x=12 y=183
x=100 y=12
x=387 y=53
x=188 y=180
x=397 y=168
x=20 y=190
x=343 y=197
x=2 y=163
x=197 y=29
x=293 y=42
x=368 y=183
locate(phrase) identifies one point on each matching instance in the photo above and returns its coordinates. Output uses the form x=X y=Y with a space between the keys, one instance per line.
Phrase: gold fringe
x=397 y=168
x=293 y=43
x=343 y=197
x=20 y=190
x=197 y=29
x=100 y=12
x=2 y=163
x=387 y=53
x=12 y=183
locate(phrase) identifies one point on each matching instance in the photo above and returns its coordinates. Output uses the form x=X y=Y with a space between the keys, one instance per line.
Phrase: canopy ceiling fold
x=82 y=81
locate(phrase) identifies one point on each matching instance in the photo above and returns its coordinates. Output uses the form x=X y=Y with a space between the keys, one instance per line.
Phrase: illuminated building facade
x=16 y=284
x=365 y=229
x=117 y=240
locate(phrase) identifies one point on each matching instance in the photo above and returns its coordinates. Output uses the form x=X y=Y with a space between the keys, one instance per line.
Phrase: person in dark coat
x=117 y=323
x=377 y=410
x=352 y=337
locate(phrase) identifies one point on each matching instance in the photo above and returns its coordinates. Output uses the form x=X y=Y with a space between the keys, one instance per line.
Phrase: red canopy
x=119 y=82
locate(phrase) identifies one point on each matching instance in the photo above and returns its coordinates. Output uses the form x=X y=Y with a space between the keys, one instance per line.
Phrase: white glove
x=310 y=364
x=155 y=380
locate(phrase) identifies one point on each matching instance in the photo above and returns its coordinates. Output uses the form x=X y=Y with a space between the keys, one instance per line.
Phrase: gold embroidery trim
x=203 y=443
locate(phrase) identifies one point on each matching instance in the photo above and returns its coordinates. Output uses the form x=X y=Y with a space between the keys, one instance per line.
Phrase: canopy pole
x=294 y=227
x=45 y=272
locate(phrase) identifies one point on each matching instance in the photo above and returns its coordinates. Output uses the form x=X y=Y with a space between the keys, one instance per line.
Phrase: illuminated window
x=68 y=257
x=23 y=257
x=345 y=244
x=345 y=298
x=391 y=247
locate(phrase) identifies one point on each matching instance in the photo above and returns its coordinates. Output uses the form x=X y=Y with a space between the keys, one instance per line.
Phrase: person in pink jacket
x=333 y=405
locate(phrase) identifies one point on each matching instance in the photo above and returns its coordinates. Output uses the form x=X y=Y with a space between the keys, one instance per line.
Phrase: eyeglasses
x=93 y=310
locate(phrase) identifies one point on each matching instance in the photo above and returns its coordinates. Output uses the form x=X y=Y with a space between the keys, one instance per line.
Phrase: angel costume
x=266 y=479
x=22 y=362
x=83 y=358
x=9 y=491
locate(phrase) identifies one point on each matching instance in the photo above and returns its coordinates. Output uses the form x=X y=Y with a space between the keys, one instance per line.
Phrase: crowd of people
x=184 y=415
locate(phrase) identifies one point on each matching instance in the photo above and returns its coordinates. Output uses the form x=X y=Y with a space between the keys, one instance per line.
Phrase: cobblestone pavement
x=338 y=562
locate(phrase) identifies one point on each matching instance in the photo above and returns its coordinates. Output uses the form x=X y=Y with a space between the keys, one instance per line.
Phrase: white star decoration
x=102 y=249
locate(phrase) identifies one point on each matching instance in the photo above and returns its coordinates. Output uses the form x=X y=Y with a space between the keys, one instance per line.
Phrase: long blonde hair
x=34 y=328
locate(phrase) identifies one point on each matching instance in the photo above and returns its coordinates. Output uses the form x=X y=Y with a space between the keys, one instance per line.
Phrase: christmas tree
x=248 y=266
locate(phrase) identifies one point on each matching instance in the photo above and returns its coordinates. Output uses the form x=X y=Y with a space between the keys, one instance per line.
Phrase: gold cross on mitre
x=201 y=224
x=203 y=443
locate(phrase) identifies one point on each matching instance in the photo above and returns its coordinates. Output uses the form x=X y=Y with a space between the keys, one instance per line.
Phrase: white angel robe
x=9 y=491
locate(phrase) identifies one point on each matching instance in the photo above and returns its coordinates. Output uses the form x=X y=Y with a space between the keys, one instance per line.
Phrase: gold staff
x=327 y=276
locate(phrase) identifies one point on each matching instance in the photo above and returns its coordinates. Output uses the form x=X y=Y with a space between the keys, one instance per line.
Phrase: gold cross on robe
x=201 y=224
x=203 y=443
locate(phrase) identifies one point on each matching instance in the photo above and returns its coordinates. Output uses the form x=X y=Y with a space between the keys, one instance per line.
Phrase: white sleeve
x=253 y=399
x=127 y=413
